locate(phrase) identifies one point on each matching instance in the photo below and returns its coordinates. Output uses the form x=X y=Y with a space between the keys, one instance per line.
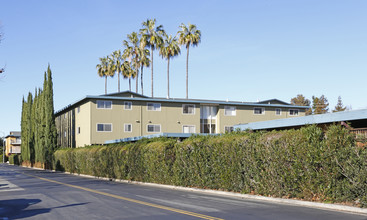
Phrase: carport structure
x=355 y=121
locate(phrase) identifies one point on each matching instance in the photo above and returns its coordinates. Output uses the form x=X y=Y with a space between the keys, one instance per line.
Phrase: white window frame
x=183 y=128
x=280 y=111
x=129 y=104
x=104 y=127
x=262 y=109
x=226 y=108
x=193 y=113
x=160 y=128
x=104 y=104
x=155 y=108
x=297 y=110
x=226 y=127
x=131 y=127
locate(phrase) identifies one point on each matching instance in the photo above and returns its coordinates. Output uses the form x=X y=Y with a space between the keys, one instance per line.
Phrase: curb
x=293 y=202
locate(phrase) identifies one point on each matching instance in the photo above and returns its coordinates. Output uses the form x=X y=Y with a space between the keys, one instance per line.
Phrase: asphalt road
x=37 y=194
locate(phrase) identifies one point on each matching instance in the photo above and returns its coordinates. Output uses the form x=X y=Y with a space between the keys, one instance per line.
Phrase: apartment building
x=13 y=141
x=97 y=119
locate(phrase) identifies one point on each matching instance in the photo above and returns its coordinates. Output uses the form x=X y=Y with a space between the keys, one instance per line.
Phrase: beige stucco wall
x=83 y=121
x=170 y=118
x=245 y=114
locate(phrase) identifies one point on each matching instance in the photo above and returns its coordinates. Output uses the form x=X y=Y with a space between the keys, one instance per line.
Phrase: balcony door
x=208 y=119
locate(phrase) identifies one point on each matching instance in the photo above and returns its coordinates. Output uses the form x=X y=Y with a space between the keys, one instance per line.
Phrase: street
x=39 y=194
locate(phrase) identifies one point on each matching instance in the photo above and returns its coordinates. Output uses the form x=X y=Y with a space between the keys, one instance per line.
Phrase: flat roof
x=179 y=100
x=306 y=120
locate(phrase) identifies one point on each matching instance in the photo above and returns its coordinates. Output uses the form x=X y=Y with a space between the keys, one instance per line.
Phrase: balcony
x=359 y=131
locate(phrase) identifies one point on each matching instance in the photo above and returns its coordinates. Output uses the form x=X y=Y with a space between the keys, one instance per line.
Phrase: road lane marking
x=130 y=200
x=177 y=202
x=6 y=186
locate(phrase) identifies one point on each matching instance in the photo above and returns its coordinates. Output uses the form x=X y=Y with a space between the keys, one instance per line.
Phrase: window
x=104 y=127
x=128 y=105
x=259 y=111
x=188 y=129
x=228 y=129
x=230 y=110
x=293 y=112
x=78 y=109
x=78 y=130
x=188 y=109
x=154 y=106
x=128 y=127
x=64 y=133
x=104 y=104
x=278 y=111
x=154 y=128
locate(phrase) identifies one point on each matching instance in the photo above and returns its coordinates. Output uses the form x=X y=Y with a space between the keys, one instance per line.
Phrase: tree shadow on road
x=17 y=208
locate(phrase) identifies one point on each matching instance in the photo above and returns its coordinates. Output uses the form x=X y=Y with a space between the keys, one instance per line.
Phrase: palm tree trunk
x=105 y=85
x=168 y=78
x=151 y=53
x=130 y=84
x=141 y=79
x=187 y=72
x=118 y=78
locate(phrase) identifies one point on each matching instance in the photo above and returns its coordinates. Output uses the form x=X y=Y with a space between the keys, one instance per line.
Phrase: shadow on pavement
x=16 y=208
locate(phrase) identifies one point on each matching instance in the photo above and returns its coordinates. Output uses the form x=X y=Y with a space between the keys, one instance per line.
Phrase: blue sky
x=250 y=50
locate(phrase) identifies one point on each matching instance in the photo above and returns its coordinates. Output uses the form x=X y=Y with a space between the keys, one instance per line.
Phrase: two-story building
x=97 y=119
x=12 y=145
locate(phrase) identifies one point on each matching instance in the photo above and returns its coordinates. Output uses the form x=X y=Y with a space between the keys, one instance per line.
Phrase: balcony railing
x=360 y=131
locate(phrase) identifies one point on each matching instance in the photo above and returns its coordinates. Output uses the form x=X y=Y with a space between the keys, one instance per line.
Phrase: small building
x=12 y=143
x=97 y=119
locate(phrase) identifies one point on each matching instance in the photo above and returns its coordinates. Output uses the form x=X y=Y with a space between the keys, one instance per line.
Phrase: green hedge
x=307 y=164
x=14 y=159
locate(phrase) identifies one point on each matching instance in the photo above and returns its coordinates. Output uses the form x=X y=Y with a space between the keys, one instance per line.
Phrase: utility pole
x=4 y=150
x=3 y=136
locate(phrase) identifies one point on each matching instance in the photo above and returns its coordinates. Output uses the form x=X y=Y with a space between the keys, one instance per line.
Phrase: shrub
x=308 y=163
x=14 y=159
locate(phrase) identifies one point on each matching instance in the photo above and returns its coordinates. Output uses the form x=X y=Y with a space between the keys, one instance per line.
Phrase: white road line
x=6 y=186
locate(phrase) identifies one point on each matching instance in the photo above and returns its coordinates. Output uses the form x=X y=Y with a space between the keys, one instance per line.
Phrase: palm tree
x=169 y=49
x=127 y=72
x=132 y=53
x=151 y=37
x=144 y=62
x=118 y=62
x=102 y=70
x=188 y=35
x=111 y=67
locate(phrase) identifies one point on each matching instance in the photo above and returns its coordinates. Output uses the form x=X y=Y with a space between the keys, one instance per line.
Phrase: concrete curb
x=324 y=206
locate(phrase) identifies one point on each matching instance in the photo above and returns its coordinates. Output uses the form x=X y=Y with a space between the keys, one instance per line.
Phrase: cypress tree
x=38 y=126
x=42 y=127
x=23 y=125
x=29 y=138
x=50 y=134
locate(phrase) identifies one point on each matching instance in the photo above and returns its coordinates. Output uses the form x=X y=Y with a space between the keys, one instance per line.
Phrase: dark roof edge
x=179 y=101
